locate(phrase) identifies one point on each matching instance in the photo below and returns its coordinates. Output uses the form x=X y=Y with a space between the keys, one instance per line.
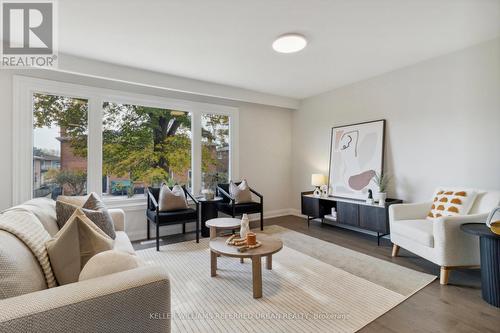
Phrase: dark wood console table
x=356 y=213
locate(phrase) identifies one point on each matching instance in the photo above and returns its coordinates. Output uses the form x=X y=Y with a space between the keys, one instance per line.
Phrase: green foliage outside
x=141 y=143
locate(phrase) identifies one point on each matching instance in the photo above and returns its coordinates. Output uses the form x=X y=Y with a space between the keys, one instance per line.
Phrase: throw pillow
x=93 y=208
x=172 y=199
x=75 y=200
x=97 y=212
x=451 y=203
x=77 y=241
x=109 y=262
x=241 y=193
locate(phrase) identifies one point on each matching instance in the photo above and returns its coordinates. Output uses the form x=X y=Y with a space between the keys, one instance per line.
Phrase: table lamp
x=317 y=180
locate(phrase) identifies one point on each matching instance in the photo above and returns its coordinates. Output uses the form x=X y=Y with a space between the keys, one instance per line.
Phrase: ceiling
x=229 y=42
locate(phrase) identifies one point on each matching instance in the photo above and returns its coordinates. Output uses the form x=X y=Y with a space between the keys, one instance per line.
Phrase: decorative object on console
x=381 y=181
x=493 y=221
x=357 y=154
x=369 y=199
x=324 y=190
x=333 y=215
x=245 y=226
x=448 y=202
x=317 y=180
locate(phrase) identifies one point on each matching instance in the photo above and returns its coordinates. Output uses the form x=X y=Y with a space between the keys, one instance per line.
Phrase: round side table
x=222 y=223
x=489 y=247
x=208 y=210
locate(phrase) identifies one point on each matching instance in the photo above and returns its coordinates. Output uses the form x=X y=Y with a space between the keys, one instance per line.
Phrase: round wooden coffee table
x=222 y=223
x=269 y=247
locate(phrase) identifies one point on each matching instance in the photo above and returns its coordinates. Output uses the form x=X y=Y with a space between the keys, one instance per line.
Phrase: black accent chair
x=229 y=207
x=183 y=216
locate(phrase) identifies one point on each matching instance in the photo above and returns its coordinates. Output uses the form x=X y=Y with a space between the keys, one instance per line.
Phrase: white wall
x=264 y=144
x=443 y=123
x=443 y=127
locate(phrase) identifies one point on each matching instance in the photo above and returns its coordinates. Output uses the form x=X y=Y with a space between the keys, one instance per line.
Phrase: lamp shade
x=318 y=179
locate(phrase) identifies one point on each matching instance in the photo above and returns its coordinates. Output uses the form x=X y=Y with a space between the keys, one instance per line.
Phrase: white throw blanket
x=26 y=227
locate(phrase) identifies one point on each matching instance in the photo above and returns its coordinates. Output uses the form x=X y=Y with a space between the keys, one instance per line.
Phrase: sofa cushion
x=420 y=231
x=45 y=211
x=20 y=272
x=122 y=243
x=77 y=241
x=109 y=262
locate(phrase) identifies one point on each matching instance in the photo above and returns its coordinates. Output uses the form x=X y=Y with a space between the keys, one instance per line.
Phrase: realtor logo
x=28 y=34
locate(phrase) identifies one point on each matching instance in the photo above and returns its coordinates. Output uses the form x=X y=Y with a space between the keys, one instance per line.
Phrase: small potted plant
x=210 y=182
x=381 y=180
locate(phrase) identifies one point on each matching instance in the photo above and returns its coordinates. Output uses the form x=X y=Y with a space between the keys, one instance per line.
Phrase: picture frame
x=356 y=155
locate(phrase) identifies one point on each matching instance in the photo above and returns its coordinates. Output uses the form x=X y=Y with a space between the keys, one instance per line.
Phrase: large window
x=86 y=139
x=144 y=146
x=59 y=145
x=215 y=149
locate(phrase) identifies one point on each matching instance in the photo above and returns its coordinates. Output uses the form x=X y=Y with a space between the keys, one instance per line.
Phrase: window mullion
x=94 y=158
x=196 y=152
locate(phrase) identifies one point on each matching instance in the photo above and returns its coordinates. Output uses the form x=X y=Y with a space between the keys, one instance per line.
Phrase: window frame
x=22 y=140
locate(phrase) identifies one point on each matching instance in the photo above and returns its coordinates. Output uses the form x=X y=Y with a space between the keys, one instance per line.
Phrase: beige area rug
x=314 y=286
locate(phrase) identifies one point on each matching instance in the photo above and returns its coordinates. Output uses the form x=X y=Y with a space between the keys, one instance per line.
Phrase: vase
x=208 y=194
x=245 y=226
x=381 y=199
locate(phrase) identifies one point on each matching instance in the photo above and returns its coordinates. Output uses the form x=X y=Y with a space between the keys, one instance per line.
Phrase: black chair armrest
x=224 y=193
x=152 y=199
x=256 y=193
x=190 y=195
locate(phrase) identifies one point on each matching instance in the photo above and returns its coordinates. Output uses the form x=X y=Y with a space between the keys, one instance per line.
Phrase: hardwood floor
x=457 y=307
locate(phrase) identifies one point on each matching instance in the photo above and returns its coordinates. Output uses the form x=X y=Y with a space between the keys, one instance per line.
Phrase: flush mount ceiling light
x=289 y=43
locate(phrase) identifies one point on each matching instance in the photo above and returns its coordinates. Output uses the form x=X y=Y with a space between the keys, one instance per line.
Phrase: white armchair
x=440 y=240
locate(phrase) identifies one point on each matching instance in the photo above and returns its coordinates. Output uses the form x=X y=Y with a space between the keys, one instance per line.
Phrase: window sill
x=124 y=202
x=137 y=202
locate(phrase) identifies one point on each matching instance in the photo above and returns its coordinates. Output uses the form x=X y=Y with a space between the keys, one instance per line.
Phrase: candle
x=251 y=238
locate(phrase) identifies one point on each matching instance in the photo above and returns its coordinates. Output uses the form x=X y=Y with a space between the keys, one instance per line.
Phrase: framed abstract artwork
x=356 y=155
